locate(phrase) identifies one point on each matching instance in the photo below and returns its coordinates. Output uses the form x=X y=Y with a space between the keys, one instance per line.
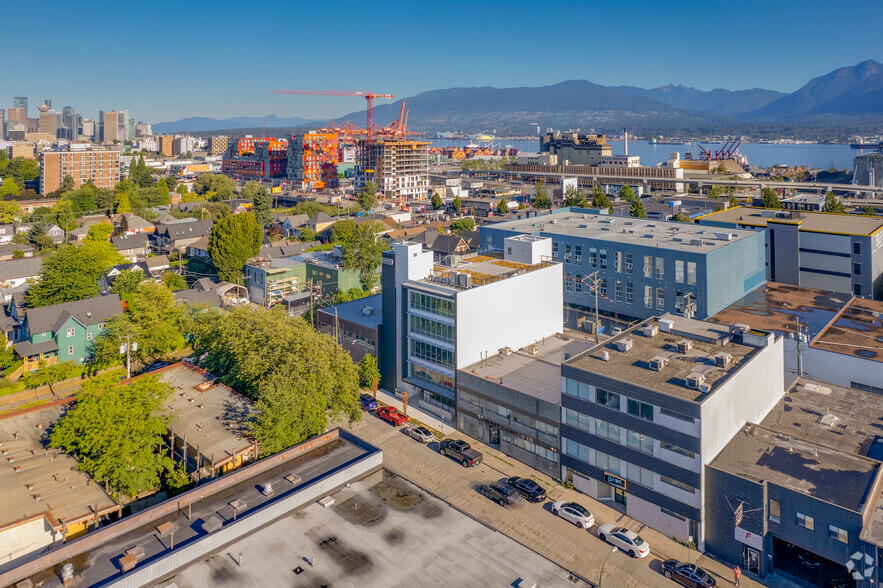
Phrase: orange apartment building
x=102 y=167
x=165 y=144
x=312 y=160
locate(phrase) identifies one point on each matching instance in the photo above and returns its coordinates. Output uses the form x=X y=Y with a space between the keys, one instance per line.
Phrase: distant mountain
x=848 y=91
x=718 y=101
x=202 y=123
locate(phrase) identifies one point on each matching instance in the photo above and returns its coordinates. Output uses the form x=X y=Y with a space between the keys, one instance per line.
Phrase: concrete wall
x=23 y=540
x=724 y=492
x=841 y=369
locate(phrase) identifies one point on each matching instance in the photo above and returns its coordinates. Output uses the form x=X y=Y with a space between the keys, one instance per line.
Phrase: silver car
x=421 y=434
x=573 y=512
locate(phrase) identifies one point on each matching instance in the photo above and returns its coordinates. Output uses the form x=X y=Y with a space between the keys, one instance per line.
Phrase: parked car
x=156 y=365
x=421 y=434
x=391 y=415
x=461 y=451
x=628 y=541
x=809 y=560
x=500 y=493
x=367 y=402
x=687 y=574
x=573 y=512
x=531 y=491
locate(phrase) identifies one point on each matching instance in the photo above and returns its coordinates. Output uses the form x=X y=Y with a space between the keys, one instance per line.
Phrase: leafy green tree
x=63 y=215
x=104 y=200
x=127 y=282
x=8 y=187
x=174 y=281
x=769 y=199
x=183 y=189
x=233 y=241
x=833 y=204
x=297 y=376
x=139 y=174
x=163 y=193
x=116 y=431
x=541 y=196
x=171 y=183
x=715 y=192
x=368 y=197
x=462 y=224
x=308 y=235
x=436 y=202
x=869 y=211
x=49 y=374
x=457 y=204
x=363 y=251
x=262 y=207
x=600 y=199
x=18 y=254
x=123 y=194
x=249 y=190
x=734 y=202
x=344 y=231
x=368 y=372
x=681 y=218
x=348 y=296
x=627 y=194
x=573 y=197
x=638 y=210
x=222 y=186
x=83 y=199
x=502 y=206
x=99 y=232
x=71 y=273
x=9 y=211
x=67 y=184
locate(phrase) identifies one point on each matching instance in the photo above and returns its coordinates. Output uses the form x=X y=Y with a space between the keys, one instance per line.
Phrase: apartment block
x=110 y=124
x=101 y=167
x=638 y=268
x=646 y=411
x=838 y=252
x=256 y=158
x=312 y=160
x=183 y=145
x=165 y=144
x=576 y=149
x=399 y=169
x=218 y=145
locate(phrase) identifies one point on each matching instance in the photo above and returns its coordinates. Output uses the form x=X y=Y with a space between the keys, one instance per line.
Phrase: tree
x=627 y=194
x=174 y=281
x=769 y=199
x=436 y=202
x=869 y=211
x=715 y=192
x=116 y=431
x=233 y=241
x=368 y=372
x=297 y=376
x=638 y=210
x=833 y=204
x=262 y=207
x=502 y=206
x=368 y=197
x=541 y=196
x=182 y=189
x=67 y=184
x=123 y=193
x=733 y=202
x=220 y=185
x=171 y=183
x=99 y=232
x=8 y=187
x=308 y=235
x=457 y=204
x=363 y=251
x=139 y=174
x=63 y=215
x=681 y=218
x=83 y=199
x=163 y=194
x=71 y=273
x=127 y=282
x=48 y=374
x=600 y=199
x=343 y=231
x=573 y=197
x=124 y=224
x=462 y=224
x=9 y=211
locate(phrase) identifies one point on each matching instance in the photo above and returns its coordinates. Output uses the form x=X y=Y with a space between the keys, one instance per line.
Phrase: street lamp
x=613 y=550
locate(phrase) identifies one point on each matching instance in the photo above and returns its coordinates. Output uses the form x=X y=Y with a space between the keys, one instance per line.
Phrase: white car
x=421 y=434
x=573 y=512
x=628 y=541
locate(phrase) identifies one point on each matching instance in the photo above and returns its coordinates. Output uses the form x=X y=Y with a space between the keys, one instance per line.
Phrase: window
x=578 y=283
x=640 y=409
x=577 y=254
x=577 y=419
x=432 y=353
x=857 y=289
x=672 y=513
x=805 y=521
x=775 y=511
x=70 y=350
x=603 y=255
x=628 y=263
x=568 y=282
x=608 y=399
x=676 y=415
x=555 y=249
x=430 y=328
x=856 y=269
x=648 y=266
x=856 y=248
x=837 y=534
x=70 y=332
x=629 y=293
x=648 y=296
x=618 y=291
x=679 y=271
x=593 y=257
x=691 y=272
x=676 y=484
x=639 y=441
x=576 y=389
x=660 y=298
x=660 y=268
x=617 y=261
x=608 y=463
x=88 y=336
x=577 y=450
x=676 y=449
x=426 y=303
x=568 y=253
x=639 y=475
x=607 y=430
x=534 y=448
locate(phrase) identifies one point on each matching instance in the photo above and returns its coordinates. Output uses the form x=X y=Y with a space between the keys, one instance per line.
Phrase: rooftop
x=706 y=343
x=822 y=222
x=537 y=375
x=354 y=311
x=858 y=331
x=479 y=268
x=634 y=231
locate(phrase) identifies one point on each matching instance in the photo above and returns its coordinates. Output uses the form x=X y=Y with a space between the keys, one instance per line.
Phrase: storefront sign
x=614 y=480
x=749 y=538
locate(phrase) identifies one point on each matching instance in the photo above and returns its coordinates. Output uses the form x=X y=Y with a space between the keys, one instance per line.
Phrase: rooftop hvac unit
x=657 y=363
x=506 y=351
x=366 y=310
x=650 y=330
x=739 y=329
x=705 y=388
x=625 y=345
x=722 y=359
x=465 y=280
x=617 y=330
x=695 y=380
x=666 y=325
x=533 y=349
x=684 y=345
x=605 y=355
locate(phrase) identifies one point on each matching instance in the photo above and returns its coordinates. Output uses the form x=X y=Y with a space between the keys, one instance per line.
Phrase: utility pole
x=799 y=358
x=689 y=306
x=127 y=348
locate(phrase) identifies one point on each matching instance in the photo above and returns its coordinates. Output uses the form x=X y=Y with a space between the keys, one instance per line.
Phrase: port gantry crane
x=369 y=96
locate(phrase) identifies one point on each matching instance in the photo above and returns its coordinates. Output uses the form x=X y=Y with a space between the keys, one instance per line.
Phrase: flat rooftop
x=66 y=494
x=481 y=268
x=538 y=376
x=633 y=366
x=634 y=231
x=761 y=454
x=857 y=331
x=354 y=311
x=821 y=222
x=381 y=531
x=774 y=307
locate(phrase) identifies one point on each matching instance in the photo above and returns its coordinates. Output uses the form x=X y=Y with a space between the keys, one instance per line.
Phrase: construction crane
x=369 y=96
x=725 y=152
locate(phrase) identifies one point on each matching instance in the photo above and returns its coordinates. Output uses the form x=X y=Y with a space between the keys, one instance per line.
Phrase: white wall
x=839 y=368
x=21 y=540
x=514 y=312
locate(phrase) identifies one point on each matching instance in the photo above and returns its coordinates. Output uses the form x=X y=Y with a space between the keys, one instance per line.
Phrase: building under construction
x=399 y=168
x=256 y=158
x=312 y=160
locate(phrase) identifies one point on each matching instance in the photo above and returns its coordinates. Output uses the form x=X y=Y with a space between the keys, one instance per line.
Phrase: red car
x=392 y=415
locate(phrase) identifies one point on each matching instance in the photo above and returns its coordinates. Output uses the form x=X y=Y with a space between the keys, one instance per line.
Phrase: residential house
x=7 y=250
x=158 y=264
x=106 y=283
x=238 y=206
x=167 y=219
x=136 y=224
x=79 y=234
x=132 y=247
x=442 y=245
x=292 y=223
x=200 y=248
x=179 y=236
x=64 y=332
x=319 y=222
x=215 y=294
x=15 y=272
x=285 y=248
x=7 y=232
x=55 y=233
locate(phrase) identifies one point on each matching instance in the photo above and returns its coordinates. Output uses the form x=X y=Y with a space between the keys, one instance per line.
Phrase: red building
x=312 y=160
x=256 y=157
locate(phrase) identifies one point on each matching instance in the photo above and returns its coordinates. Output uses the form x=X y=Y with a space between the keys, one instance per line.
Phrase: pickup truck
x=390 y=414
x=461 y=451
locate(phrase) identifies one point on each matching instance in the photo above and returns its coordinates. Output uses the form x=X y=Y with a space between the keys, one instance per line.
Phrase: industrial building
x=637 y=268
x=312 y=160
x=838 y=252
x=868 y=169
x=102 y=168
x=399 y=169
x=576 y=149
x=355 y=324
x=646 y=411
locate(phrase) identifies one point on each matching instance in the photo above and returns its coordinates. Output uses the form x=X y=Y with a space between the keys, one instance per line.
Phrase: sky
x=167 y=60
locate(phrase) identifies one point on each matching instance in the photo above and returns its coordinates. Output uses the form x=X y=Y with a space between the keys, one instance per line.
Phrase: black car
x=504 y=495
x=687 y=574
x=532 y=491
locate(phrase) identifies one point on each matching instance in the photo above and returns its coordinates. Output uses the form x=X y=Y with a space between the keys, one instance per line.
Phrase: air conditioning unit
x=666 y=325
x=722 y=359
x=684 y=345
x=705 y=388
x=658 y=362
x=650 y=331
x=695 y=380
x=625 y=345
x=506 y=351
x=739 y=329
x=533 y=349
x=605 y=355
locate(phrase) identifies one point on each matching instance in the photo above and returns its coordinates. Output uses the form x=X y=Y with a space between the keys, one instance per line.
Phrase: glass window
x=70 y=350
x=648 y=296
x=578 y=283
x=577 y=450
x=430 y=328
x=426 y=303
x=593 y=257
x=628 y=263
x=648 y=266
x=602 y=287
x=70 y=332
x=534 y=448
x=660 y=298
x=607 y=430
x=577 y=254
x=608 y=463
x=617 y=261
x=618 y=291
x=603 y=255
x=431 y=353
x=568 y=253
x=660 y=268
x=806 y=521
x=691 y=272
x=837 y=534
x=576 y=389
x=856 y=248
x=775 y=511
x=676 y=484
x=679 y=271
x=639 y=475
x=640 y=409
x=676 y=415
x=88 y=336
x=676 y=449
x=629 y=293
x=608 y=399
x=856 y=269
x=577 y=419
x=555 y=249
x=418 y=372
x=568 y=282
x=639 y=441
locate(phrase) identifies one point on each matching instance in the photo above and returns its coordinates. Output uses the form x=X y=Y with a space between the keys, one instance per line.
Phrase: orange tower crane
x=369 y=96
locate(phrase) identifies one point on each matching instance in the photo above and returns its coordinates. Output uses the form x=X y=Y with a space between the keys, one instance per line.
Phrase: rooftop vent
x=695 y=380
x=724 y=236
x=617 y=330
x=684 y=345
x=828 y=420
x=649 y=330
x=625 y=345
x=366 y=310
x=739 y=329
x=705 y=388
x=605 y=355
x=666 y=325
x=506 y=351
x=657 y=363
x=722 y=359
x=533 y=349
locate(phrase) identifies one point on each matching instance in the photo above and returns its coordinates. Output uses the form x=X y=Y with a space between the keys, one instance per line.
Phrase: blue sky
x=167 y=60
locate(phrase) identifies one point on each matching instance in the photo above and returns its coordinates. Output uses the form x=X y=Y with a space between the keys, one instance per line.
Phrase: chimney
x=625 y=140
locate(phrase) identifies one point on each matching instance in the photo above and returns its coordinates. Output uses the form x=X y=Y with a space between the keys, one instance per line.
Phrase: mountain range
x=851 y=95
